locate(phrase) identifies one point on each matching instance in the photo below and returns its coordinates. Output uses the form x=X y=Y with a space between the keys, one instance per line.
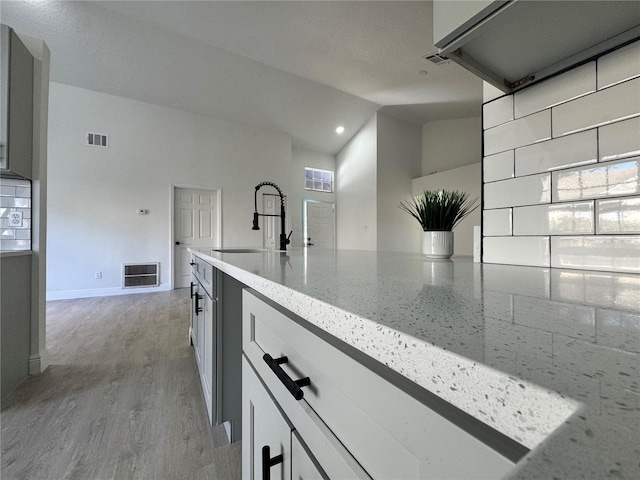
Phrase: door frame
x=218 y=234
x=305 y=205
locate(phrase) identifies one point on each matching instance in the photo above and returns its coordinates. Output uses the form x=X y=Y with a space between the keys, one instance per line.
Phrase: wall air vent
x=140 y=275
x=97 y=140
x=437 y=59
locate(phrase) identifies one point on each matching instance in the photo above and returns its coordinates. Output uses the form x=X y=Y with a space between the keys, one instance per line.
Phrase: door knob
x=177 y=243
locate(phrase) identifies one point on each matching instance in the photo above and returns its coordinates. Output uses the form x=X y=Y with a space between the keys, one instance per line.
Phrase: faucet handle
x=289 y=237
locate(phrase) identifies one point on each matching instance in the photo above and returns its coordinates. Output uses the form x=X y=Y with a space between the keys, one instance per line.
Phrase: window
x=318 y=180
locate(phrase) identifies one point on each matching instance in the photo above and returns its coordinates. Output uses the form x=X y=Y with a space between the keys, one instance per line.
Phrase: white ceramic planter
x=437 y=244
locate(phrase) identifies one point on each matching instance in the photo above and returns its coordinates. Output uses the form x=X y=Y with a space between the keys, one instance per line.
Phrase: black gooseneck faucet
x=284 y=240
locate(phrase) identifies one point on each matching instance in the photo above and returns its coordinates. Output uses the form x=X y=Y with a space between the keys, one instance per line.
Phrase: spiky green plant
x=439 y=210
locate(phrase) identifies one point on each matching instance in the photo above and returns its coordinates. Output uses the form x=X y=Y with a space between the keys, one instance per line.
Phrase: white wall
x=307 y=158
x=466 y=179
x=398 y=163
x=448 y=144
x=94 y=193
x=356 y=183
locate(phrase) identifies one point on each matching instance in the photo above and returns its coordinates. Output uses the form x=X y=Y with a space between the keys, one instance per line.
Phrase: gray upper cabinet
x=512 y=44
x=16 y=106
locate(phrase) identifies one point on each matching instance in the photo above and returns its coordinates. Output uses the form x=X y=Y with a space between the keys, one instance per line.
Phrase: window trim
x=323 y=182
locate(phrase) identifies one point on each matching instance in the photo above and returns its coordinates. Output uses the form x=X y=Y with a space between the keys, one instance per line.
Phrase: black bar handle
x=192 y=285
x=292 y=385
x=268 y=462
x=198 y=307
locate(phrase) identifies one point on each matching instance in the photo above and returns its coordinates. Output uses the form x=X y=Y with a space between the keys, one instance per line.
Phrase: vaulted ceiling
x=300 y=67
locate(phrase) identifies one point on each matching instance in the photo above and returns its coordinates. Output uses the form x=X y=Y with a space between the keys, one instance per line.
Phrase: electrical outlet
x=98 y=275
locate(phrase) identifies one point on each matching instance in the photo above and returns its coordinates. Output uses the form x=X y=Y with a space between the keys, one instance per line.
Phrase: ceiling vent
x=97 y=140
x=437 y=59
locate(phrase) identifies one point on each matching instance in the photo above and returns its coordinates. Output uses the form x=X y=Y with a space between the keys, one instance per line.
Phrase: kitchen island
x=550 y=358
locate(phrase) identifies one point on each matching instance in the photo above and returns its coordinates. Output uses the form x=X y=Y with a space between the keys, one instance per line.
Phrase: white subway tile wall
x=618 y=66
x=523 y=131
x=563 y=152
x=611 y=179
x=610 y=105
x=498 y=112
x=15 y=214
x=618 y=216
x=573 y=84
x=561 y=169
x=599 y=252
x=499 y=166
x=557 y=219
x=531 y=251
x=497 y=222
x=619 y=140
x=529 y=190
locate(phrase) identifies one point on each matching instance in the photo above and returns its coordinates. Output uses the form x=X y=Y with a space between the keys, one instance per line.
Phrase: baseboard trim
x=105 y=292
x=38 y=363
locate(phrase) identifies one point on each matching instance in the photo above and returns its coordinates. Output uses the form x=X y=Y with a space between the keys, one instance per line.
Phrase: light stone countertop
x=549 y=357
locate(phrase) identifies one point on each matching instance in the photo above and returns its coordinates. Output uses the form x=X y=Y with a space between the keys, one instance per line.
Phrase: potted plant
x=438 y=213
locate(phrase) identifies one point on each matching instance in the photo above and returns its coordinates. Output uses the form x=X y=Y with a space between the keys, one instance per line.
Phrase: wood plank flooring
x=121 y=398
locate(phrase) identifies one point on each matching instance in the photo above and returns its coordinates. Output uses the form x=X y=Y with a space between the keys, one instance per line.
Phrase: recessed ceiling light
x=423 y=72
x=340 y=130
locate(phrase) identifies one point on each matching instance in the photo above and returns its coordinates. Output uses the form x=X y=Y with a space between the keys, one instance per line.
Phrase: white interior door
x=321 y=224
x=196 y=225
x=271 y=225
x=270 y=206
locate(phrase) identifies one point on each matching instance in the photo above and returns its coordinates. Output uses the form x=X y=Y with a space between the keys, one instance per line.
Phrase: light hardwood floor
x=120 y=399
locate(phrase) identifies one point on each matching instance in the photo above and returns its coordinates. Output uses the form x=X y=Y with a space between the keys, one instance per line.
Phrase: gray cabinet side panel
x=15 y=321
x=230 y=382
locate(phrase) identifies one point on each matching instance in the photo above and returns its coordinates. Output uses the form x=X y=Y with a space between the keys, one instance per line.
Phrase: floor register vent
x=140 y=275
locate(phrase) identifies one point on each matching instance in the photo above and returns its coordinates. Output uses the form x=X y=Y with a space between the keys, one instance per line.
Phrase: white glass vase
x=437 y=244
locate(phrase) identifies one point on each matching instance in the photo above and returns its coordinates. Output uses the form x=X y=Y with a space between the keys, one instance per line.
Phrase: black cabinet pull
x=292 y=385
x=192 y=263
x=268 y=462
x=198 y=307
x=192 y=285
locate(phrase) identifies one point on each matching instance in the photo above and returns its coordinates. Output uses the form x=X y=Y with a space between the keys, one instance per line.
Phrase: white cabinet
x=512 y=44
x=355 y=422
x=203 y=325
x=16 y=105
x=266 y=438
x=207 y=367
x=302 y=465
x=451 y=19
x=271 y=448
x=216 y=334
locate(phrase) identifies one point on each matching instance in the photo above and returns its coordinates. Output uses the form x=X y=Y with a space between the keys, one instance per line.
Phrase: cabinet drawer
x=204 y=273
x=388 y=432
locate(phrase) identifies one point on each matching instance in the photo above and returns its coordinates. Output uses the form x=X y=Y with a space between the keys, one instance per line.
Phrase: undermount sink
x=243 y=250
x=238 y=250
